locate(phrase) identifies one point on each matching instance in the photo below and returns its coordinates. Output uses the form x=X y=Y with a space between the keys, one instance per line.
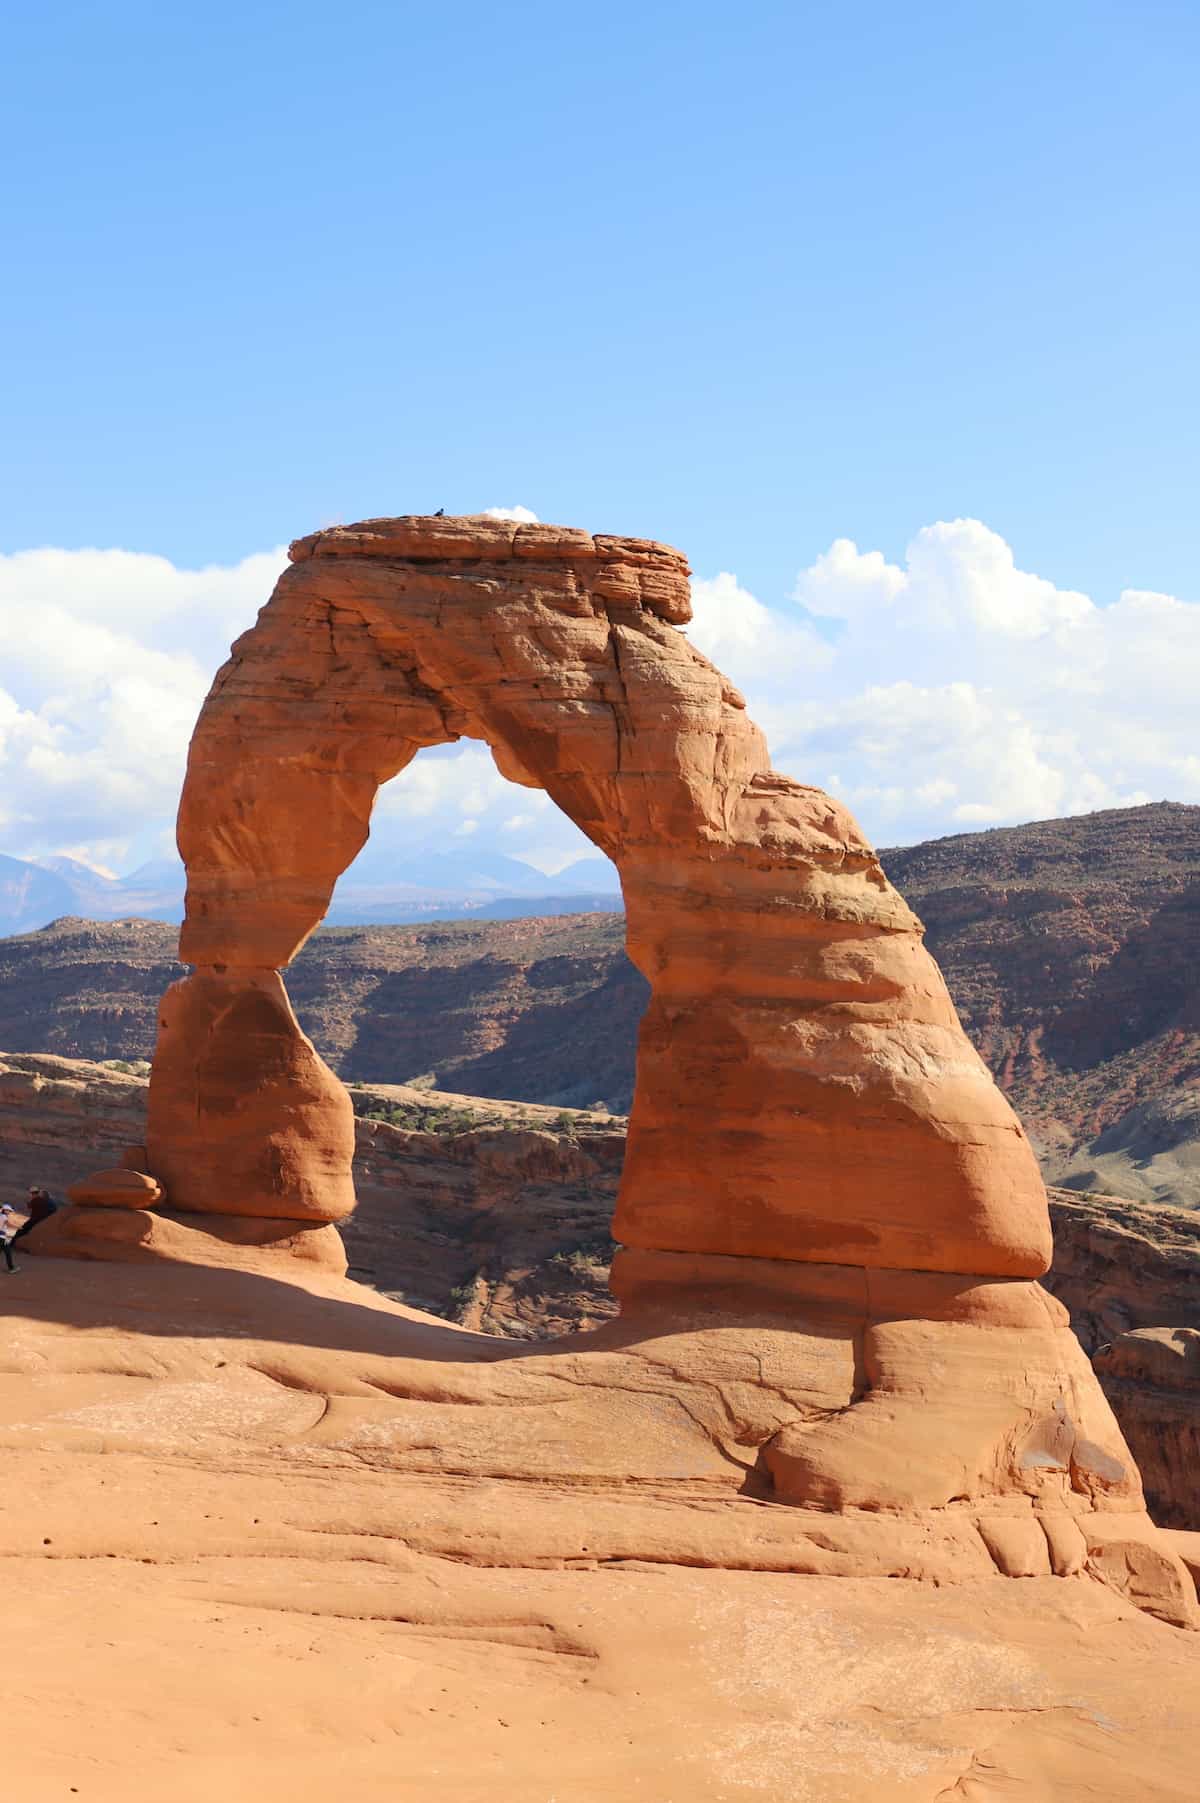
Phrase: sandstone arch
x=804 y=1089
x=822 y=1180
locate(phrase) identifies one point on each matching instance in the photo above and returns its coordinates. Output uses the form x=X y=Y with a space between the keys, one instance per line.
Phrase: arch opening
x=460 y=967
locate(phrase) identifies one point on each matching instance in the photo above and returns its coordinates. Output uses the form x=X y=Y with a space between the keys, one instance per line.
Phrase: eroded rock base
x=247 y=1242
x=748 y=1414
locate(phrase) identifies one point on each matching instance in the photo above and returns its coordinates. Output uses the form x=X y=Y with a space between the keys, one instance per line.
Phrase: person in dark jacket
x=39 y=1208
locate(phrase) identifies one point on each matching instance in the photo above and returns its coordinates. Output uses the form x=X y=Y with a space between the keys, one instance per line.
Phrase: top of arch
x=471 y=539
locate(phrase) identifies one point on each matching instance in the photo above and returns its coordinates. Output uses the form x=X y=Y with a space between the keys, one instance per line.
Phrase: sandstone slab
x=253 y=1574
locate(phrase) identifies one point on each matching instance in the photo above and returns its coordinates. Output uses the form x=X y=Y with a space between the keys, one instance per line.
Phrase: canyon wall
x=1065 y=945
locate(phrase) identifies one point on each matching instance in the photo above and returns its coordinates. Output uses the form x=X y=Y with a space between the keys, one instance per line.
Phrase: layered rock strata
x=813 y=1140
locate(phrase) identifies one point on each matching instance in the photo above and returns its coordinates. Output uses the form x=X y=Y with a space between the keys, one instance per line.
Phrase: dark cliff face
x=539 y=1010
x=1070 y=948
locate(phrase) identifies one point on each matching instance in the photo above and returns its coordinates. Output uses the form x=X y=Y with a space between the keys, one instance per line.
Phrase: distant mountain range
x=379 y=890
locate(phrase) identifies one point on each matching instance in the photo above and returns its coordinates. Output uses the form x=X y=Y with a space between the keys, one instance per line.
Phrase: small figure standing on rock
x=40 y=1207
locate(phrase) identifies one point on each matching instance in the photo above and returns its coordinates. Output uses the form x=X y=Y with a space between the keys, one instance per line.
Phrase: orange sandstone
x=821 y=1178
x=804 y=1088
x=120 y=1188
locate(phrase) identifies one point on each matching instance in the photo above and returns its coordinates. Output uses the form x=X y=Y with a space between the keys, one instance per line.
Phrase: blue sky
x=748 y=280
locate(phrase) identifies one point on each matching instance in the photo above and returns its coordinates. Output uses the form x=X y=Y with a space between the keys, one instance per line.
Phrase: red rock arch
x=804 y=1089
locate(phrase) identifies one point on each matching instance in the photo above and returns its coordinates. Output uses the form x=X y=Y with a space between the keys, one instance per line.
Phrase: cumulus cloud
x=945 y=692
x=105 y=657
x=731 y=624
x=960 y=691
x=522 y=515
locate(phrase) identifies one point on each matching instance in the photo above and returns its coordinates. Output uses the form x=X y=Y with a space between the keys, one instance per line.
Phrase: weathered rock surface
x=1120 y=1264
x=244 y=1118
x=292 y=1541
x=1127 y=1270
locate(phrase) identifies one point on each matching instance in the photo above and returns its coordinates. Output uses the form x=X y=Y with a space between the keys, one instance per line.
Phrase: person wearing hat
x=39 y=1208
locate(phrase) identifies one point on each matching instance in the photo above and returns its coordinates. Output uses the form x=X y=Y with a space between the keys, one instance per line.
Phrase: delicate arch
x=804 y=1089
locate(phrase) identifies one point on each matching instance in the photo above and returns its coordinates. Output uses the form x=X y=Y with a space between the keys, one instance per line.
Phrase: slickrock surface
x=289 y=1541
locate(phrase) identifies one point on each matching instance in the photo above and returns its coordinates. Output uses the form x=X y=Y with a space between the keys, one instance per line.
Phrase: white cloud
x=946 y=692
x=733 y=628
x=106 y=657
x=961 y=691
x=455 y=792
x=522 y=515
x=957 y=572
x=844 y=582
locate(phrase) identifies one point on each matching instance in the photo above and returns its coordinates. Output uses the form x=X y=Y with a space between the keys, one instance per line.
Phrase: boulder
x=120 y=1188
x=137 y=1236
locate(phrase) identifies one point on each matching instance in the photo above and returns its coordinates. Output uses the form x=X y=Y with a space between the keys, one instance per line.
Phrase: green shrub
x=584 y=1257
